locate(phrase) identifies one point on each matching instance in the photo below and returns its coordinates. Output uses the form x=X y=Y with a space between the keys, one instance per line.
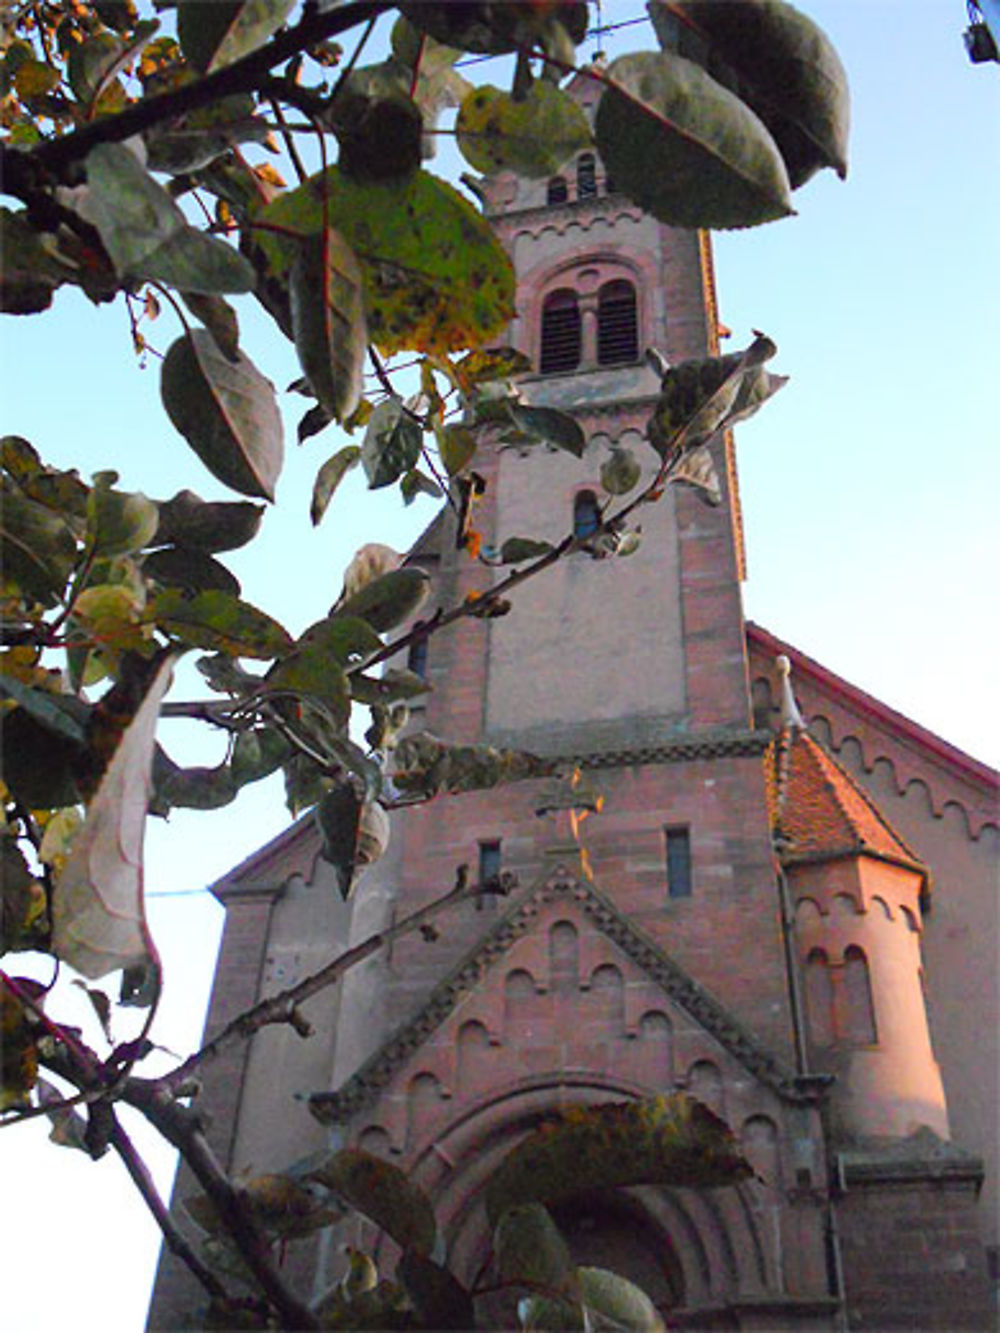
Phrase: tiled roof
x=820 y=810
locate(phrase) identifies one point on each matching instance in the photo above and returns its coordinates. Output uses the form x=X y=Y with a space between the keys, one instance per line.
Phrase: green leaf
x=686 y=149
x=620 y=473
x=392 y=443
x=384 y=1193
x=328 y=321
x=436 y=277
x=147 y=235
x=529 y=1248
x=227 y=412
x=257 y=753
x=191 y=788
x=532 y=136
x=98 y=915
x=440 y=1300
x=786 y=69
x=547 y=423
x=394 y=684
x=218 y=621
x=456 y=446
x=516 y=549
x=329 y=477
x=380 y=135
x=37 y=548
x=94 y=62
x=345 y=639
x=216 y=34
x=496 y=26
x=617 y=1302
x=61 y=714
x=119 y=523
x=426 y=766
x=308 y=671
x=673 y=1141
x=179 y=567
x=30 y=273
x=415 y=482
x=219 y=318
x=207 y=526
x=387 y=601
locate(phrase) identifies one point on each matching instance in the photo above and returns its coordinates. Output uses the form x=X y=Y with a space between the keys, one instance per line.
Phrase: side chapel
x=787 y=904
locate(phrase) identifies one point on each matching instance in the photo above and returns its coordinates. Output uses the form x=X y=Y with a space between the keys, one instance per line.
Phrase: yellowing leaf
x=383 y=1193
x=532 y=136
x=98 y=914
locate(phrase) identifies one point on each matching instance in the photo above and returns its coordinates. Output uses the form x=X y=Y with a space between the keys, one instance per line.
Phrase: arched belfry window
x=557 y=191
x=586 y=176
x=561 y=332
x=617 y=324
x=586 y=514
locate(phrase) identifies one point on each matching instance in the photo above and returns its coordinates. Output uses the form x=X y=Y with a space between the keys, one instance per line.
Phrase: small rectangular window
x=489 y=871
x=416 y=658
x=678 y=862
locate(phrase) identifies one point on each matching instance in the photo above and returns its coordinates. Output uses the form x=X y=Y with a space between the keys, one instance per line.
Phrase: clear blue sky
x=869 y=491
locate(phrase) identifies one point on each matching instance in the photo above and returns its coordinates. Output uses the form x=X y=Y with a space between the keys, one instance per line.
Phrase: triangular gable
x=588 y=903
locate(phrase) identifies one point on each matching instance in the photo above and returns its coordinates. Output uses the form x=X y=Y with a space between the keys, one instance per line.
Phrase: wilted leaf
x=494 y=363
x=549 y=424
x=146 y=234
x=93 y=63
x=98 y=915
x=387 y=601
x=281 y=1205
x=383 y=1193
x=659 y=1141
x=219 y=621
x=436 y=278
x=785 y=68
x=532 y=136
x=18 y=1055
x=529 y=1248
x=22 y=901
x=338 y=818
x=328 y=321
x=426 y=766
x=329 y=477
x=686 y=149
x=699 y=398
x=188 y=520
x=227 y=412
x=213 y=35
x=697 y=469
x=69 y=1128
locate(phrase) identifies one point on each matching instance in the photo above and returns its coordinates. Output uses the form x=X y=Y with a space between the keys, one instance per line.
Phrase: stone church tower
x=738 y=920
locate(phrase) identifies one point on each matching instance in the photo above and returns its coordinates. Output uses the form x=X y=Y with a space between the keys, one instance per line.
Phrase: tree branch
x=175 y=1240
x=241 y=76
x=282 y=1008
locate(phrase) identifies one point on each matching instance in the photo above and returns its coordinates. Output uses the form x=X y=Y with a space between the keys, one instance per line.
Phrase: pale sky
x=869 y=495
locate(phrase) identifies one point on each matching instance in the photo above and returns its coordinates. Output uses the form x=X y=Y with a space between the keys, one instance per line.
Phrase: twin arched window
x=562 y=328
x=839 y=1000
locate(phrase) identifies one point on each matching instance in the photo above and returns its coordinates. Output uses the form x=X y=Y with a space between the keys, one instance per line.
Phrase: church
x=782 y=898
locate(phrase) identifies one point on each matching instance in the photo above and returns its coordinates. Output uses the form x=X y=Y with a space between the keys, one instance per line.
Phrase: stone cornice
x=714 y=745
x=363 y=1087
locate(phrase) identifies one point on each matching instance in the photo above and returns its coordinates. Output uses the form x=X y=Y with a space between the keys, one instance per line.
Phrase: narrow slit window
x=617 y=324
x=558 y=191
x=561 y=332
x=678 y=862
x=586 y=176
x=586 y=514
x=490 y=865
x=416 y=657
x=858 y=1006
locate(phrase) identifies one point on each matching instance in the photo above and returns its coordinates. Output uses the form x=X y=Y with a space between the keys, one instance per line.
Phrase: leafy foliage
x=138 y=152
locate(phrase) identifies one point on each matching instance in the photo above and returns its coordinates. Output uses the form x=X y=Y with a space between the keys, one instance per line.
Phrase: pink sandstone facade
x=825 y=979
